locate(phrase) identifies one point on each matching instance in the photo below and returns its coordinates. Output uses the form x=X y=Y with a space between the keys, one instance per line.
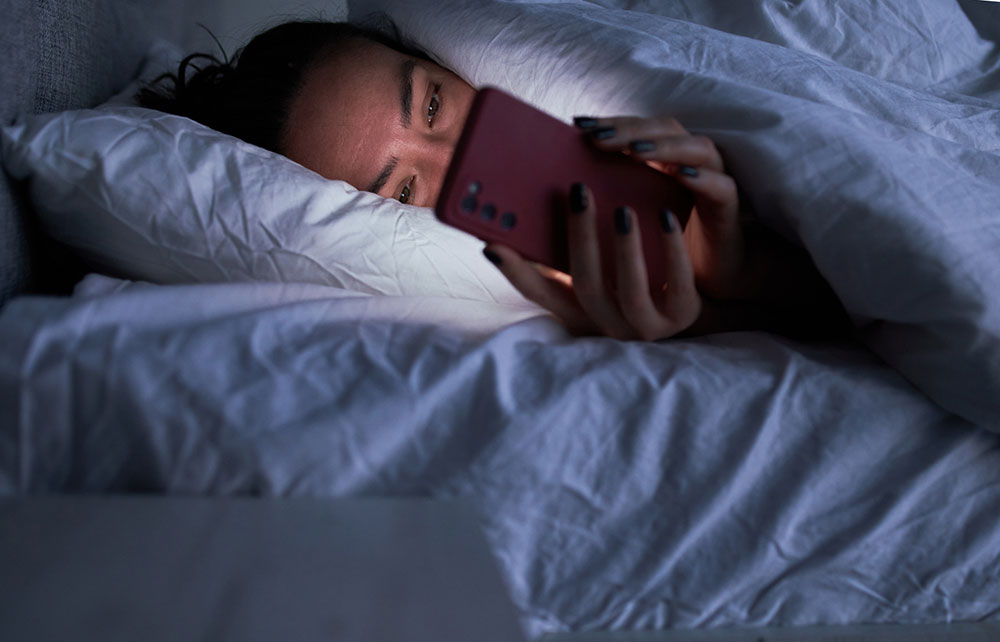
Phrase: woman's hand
x=755 y=281
x=586 y=302
x=709 y=256
x=713 y=235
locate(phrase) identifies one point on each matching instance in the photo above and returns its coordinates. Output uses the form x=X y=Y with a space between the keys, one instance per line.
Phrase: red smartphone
x=509 y=179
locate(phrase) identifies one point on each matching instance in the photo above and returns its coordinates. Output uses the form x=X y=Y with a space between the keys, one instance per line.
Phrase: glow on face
x=381 y=120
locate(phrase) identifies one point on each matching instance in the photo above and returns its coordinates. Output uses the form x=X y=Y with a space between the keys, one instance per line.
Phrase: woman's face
x=379 y=119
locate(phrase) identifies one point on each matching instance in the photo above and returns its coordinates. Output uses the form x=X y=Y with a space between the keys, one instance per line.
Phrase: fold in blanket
x=866 y=132
x=733 y=480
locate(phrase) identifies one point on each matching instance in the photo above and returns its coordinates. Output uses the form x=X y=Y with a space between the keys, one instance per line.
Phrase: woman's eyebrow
x=383 y=176
x=406 y=91
x=405 y=109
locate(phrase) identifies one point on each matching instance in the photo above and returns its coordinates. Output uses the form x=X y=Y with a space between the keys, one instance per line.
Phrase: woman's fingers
x=619 y=304
x=677 y=303
x=714 y=233
x=681 y=302
x=659 y=139
x=693 y=160
x=548 y=291
x=585 y=264
x=672 y=154
x=712 y=188
x=632 y=280
x=626 y=128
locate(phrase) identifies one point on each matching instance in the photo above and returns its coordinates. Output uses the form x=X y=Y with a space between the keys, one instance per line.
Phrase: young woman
x=355 y=104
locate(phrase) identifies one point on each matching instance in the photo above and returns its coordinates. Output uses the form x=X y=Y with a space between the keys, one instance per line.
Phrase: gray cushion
x=68 y=54
x=16 y=90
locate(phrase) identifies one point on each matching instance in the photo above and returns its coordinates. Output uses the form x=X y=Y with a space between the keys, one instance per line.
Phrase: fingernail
x=687 y=170
x=603 y=133
x=585 y=122
x=577 y=198
x=667 y=220
x=493 y=257
x=642 y=145
x=622 y=222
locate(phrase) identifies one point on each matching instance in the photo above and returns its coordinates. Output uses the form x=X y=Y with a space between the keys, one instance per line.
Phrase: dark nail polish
x=687 y=170
x=577 y=198
x=603 y=133
x=667 y=221
x=642 y=145
x=622 y=222
x=493 y=257
x=585 y=122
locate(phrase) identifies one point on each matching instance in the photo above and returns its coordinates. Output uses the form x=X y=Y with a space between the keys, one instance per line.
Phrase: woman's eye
x=404 y=194
x=434 y=106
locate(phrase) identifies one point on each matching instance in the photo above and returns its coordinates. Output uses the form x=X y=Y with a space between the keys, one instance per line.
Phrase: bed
x=729 y=481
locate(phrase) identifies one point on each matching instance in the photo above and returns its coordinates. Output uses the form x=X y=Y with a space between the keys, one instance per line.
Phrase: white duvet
x=738 y=479
x=867 y=132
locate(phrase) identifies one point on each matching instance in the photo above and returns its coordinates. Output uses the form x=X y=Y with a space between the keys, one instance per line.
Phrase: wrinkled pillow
x=155 y=197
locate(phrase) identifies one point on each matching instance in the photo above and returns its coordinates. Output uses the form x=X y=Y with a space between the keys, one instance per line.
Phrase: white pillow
x=150 y=196
x=893 y=190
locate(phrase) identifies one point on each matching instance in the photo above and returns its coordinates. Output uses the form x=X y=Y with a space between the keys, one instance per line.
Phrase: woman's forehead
x=347 y=104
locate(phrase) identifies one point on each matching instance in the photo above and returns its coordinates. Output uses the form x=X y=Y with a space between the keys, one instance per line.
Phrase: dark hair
x=249 y=95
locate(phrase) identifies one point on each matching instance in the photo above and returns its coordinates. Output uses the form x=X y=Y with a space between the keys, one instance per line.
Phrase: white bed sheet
x=885 y=173
x=733 y=480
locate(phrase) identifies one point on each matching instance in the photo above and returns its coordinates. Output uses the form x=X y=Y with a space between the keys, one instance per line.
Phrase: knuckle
x=647 y=328
x=633 y=302
x=587 y=289
x=533 y=289
x=650 y=333
x=725 y=190
x=620 y=334
x=692 y=310
x=626 y=131
x=671 y=123
x=644 y=326
x=729 y=188
x=705 y=143
x=534 y=293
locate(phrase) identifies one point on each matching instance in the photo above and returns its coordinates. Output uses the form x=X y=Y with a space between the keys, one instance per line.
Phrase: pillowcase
x=155 y=197
x=892 y=189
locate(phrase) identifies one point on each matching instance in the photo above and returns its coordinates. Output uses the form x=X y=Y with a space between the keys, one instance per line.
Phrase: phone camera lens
x=489 y=212
x=508 y=220
x=469 y=204
x=475 y=187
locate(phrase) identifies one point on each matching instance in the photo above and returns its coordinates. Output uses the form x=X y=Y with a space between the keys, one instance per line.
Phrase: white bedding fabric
x=887 y=171
x=733 y=480
x=151 y=196
x=156 y=197
x=739 y=479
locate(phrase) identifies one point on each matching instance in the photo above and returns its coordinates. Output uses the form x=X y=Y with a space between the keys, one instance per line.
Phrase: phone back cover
x=509 y=180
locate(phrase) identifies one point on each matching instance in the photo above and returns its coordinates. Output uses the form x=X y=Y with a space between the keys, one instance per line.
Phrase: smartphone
x=509 y=180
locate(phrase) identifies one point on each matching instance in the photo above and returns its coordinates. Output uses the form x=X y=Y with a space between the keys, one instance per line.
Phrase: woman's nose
x=437 y=155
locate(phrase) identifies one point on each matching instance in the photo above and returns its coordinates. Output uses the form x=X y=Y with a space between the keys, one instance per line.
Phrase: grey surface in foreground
x=155 y=568
x=958 y=632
